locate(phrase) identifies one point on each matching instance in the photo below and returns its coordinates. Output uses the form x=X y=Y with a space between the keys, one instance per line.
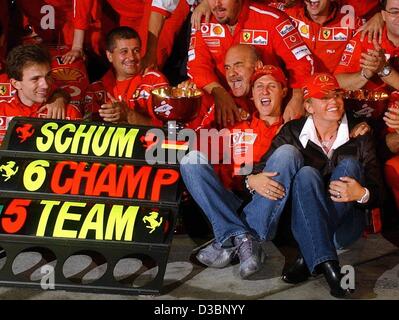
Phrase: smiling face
x=318 y=7
x=225 y=11
x=268 y=95
x=125 y=58
x=390 y=15
x=35 y=84
x=328 y=109
x=239 y=66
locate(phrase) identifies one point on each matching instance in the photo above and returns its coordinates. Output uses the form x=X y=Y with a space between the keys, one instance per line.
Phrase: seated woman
x=331 y=179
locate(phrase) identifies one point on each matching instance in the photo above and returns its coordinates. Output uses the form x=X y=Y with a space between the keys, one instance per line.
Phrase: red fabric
x=319 y=85
x=64 y=28
x=6 y=90
x=209 y=45
x=136 y=92
x=350 y=60
x=327 y=41
x=73 y=77
x=15 y=108
x=392 y=177
x=249 y=141
x=274 y=71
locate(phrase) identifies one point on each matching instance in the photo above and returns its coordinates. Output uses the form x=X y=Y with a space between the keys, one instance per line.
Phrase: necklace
x=327 y=144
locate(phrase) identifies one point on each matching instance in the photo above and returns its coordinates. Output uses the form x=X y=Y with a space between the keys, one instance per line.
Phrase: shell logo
x=304 y=29
x=218 y=30
x=63 y=74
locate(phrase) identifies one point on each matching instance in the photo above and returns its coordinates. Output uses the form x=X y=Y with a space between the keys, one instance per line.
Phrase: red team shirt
x=136 y=92
x=15 y=108
x=250 y=135
x=209 y=45
x=328 y=41
x=350 y=60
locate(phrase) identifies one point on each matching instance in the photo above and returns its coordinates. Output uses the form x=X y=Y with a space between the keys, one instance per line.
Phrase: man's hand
x=264 y=185
x=294 y=108
x=360 y=130
x=346 y=190
x=55 y=107
x=114 y=112
x=226 y=111
x=391 y=118
x=373 y=60
x=202 y=10
x=372 y=28
x=73 y=55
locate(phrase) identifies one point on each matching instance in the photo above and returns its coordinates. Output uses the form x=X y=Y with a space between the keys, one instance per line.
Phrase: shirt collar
x=309 y=133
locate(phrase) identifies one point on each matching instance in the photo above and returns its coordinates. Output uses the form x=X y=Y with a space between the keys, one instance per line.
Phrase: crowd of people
x=284 y=74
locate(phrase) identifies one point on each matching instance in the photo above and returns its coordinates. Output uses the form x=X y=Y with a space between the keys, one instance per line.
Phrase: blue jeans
x=260 y=217
x=319 y=224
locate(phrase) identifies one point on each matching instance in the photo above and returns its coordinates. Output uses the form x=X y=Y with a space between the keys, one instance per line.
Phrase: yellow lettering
x=42 y=144
x=123 y=142
x=100 y=150
x=48 y=206
x=121 y=222
x=62 y=145
x=80 y=133
x=98 y=212
x=63 y=215
x=35 y=175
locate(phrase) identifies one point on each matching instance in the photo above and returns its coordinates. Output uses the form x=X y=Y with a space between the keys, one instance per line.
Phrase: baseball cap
x=320 y=85
x=274 y=71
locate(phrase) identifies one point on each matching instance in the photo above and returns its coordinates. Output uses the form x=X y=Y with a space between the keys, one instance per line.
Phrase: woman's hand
x=264 y=185
x=346 y=190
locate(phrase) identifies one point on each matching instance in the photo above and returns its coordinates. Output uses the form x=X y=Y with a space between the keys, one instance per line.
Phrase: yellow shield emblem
x=246 y=36
x=326 y=33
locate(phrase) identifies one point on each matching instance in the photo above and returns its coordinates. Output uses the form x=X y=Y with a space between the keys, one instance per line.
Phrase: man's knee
x=351 y=165
x=189 y=163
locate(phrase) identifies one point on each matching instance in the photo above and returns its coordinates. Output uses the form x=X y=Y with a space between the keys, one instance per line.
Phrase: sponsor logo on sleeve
x=212 y=30
x=285 y=28
x=300 y=52
x=193 y=41
x=350 y=47
x=217 y=30
x=345 y=59
x=212 y=43
x=191 y=55
x=293 y=40
x=304 y=29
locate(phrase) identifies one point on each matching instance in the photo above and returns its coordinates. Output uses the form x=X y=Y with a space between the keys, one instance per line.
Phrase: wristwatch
x=366 y=196
x=385 y=71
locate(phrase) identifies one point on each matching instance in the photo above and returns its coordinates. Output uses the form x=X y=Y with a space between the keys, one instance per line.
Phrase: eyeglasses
x=394 y=13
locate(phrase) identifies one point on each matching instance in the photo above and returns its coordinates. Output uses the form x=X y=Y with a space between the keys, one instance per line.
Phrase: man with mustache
x=241 y=21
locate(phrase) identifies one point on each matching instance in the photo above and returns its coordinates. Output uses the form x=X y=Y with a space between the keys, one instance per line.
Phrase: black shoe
x=296 y=273
x=332 y=272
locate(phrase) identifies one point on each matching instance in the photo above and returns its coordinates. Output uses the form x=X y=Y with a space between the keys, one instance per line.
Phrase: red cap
x=320 y=85
x=274 y=71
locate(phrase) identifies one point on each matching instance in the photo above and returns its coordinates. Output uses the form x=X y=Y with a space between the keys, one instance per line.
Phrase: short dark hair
x=383 y=4
x=25 y=55
x=120 y=33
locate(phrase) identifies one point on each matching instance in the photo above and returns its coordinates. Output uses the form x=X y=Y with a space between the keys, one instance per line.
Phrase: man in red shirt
x=28 y=68
x=372 y=66
x=232 y=234
x=241 y=21
x=124 y=91
x=321 y=28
